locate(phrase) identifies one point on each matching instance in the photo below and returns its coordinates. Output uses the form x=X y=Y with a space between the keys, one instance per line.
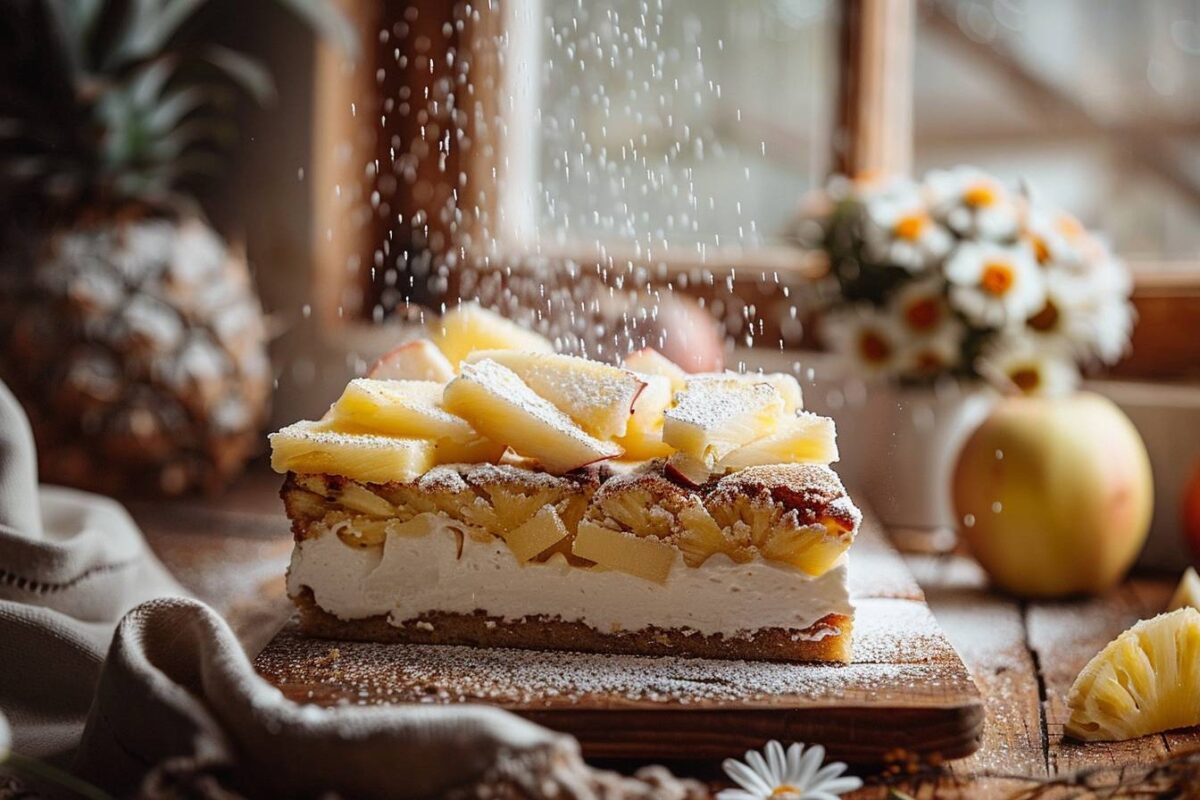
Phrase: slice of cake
x=503 y=509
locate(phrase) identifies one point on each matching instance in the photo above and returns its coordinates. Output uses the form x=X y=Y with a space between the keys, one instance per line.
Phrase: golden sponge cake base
x=552 y=633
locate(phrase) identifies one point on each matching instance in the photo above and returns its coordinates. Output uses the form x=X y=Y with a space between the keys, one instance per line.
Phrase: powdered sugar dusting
x=899 y=655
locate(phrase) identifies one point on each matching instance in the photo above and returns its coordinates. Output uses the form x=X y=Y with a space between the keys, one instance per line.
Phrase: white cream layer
x=412 y=575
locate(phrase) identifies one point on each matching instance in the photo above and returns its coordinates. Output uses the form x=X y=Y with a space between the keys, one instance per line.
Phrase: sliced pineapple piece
x=644 y=558
x=795 y=514
x=503 y=408
x=369 y=532
x=713 y=416
x=787 y=386
x=470 y=327
x=475 y=451
x=1147 y=680
x=801 y=439
x=1188 y=592
x=700 y=537
x=541 y=532
x=398 y=408
x=649 y=361
x=599 y=397
x=643 y=437
x=348 y=494
x=418 y=360
x=306 y=447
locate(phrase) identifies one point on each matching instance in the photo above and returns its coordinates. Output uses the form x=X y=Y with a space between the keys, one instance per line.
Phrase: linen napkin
x=176 y=709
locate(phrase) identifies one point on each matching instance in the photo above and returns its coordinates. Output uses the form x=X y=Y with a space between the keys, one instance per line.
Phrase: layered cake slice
x=539 y=500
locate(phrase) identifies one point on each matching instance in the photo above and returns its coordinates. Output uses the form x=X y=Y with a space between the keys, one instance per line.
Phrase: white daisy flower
x=871 y=339
x=793 y=775
x=900 y=231
x=994 y=285
x=936 y=354
x=972 y=203
x=1018 y=362
x=1062 y=319
x=1111 y=324
x=1053 y=236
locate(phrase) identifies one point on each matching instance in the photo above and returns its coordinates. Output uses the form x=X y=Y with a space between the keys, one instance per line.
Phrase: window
x=678 y=135
x=1096 y=102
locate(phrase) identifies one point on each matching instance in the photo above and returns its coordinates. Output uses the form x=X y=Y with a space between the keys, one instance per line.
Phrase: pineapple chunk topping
x=541 y=532
x=418 y=360
x=714 y=416
x=642 y=440
x=502 y=407
x=649 y=361
x=471 y=327
x=644 y=558
x=308 y=447
x=1188 y=593
x=399 y=408
x=599 y=397
x=801 y=439
x=787 y=386
x=1147 y=680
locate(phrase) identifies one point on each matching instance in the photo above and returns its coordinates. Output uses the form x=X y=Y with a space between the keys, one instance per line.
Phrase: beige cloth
x=177 y=688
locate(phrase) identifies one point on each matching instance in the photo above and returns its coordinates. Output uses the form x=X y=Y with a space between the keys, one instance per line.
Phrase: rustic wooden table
x=1023 y=656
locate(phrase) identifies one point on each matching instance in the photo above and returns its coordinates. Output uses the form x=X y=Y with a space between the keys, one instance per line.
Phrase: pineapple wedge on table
x=1147 y=680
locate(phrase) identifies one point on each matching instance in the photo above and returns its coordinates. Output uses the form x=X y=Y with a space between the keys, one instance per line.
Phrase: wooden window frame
x=874 y=119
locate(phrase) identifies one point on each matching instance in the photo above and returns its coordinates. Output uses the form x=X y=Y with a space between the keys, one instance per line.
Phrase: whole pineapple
x=129 y=329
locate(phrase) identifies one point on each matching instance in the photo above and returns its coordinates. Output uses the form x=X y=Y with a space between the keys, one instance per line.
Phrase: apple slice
x=418 y=360
x=470 y=327
x=541 y=532
x=309 y=447
x=599 y=397
x=801 y=439
x=643 y=437
x=689 y=471
x=649 y=361
x=503 y=408
x=714 y=416
x=645 y=558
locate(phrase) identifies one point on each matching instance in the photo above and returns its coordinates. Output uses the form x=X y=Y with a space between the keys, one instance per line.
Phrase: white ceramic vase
x=905 y=448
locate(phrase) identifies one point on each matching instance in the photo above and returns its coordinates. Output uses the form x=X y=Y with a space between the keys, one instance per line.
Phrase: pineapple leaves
x=149 y=25
x=247 y=73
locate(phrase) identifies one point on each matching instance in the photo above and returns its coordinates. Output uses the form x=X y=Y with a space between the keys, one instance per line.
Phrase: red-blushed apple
x=1191 y=512
x=418 y=360
x=1054 y=495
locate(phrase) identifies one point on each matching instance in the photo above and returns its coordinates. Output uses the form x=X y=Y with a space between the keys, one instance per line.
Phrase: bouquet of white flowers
x=957 y=276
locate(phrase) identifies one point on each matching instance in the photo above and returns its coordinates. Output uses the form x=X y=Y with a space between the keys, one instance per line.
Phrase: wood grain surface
x=1022 y=655
x=906 y=687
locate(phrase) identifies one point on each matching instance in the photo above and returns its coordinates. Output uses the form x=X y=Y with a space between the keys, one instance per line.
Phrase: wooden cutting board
x=906 y=687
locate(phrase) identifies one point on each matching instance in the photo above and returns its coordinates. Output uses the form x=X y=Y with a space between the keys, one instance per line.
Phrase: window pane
x=1095 y=102
x=694 y=123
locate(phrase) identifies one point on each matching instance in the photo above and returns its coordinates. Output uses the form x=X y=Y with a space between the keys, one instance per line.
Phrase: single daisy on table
x=900 y=230
x=796 y=774
x=994 y=285
x=872 y=339
x=1018 y=362
x=972 y=203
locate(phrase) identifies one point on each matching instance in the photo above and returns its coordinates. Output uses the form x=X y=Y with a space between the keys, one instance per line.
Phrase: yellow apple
x=1054 y=495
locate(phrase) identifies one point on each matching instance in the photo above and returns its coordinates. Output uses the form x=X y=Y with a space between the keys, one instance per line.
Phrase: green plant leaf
x=328 y=21
x=149 y=25
x=244 y=71
x=168 y=113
